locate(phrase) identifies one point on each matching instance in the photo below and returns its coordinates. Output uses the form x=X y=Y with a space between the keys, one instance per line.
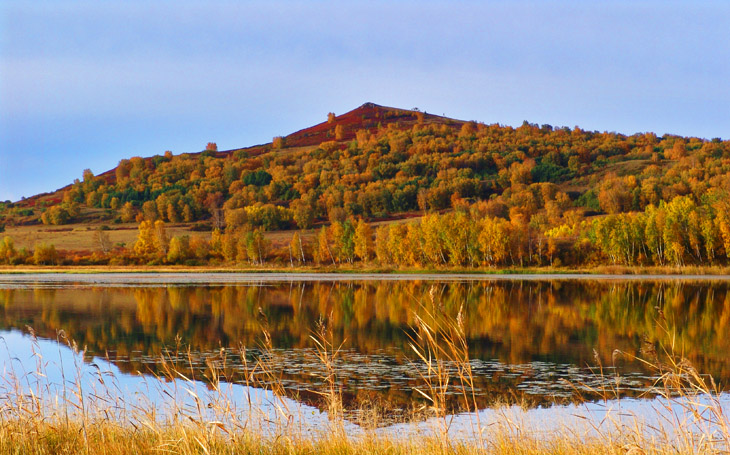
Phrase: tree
x=56 y=215
x=145 y=246
x=211 y=147
x=723 y=224
x=331 y=117
x=296 y=248
x=103 y=241
x=199 y=247
x=162 y=241
x=303 y=213
x=614 y=195
x=324 y=252
x=172 y=214
x=128 y=212
x=257 y=246
x=45 y=254
x=187 y=213
x=229 y=247
x=7 y=250
x=494 y=240
x=381 y=245
x=432 y=245
x=677 y=152
x=149 y=210
x=363 y=241
x=179 y=250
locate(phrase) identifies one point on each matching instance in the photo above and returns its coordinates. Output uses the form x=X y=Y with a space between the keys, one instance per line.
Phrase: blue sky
x=84 y=84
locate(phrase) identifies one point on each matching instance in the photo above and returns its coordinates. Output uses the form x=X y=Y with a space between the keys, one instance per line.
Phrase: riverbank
x=597 y=270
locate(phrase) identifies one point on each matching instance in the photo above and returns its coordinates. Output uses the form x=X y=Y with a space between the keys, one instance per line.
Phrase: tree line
x=678 y=233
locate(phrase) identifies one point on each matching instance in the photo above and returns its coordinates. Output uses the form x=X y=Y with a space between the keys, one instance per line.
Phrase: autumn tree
x=45 y=254
x=494 y=240
x=324 y=251
x=152 y=240
x=128 y=212
x=162 y=240
x=614 y=194
x=381 y=245
x=257 y=246
x=363 y=240
x=7 y=250
x=296 y=248
x=179 y=250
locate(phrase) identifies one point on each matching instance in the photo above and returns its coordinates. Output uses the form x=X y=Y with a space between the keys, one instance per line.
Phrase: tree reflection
x=514 y=327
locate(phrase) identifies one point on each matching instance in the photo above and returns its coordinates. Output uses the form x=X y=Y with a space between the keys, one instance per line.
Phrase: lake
x=536 y=341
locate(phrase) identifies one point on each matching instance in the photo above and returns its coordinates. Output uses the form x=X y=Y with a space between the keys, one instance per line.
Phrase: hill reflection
x=531 y=341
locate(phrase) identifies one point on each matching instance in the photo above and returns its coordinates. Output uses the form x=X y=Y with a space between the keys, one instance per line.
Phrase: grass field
x=82 y=236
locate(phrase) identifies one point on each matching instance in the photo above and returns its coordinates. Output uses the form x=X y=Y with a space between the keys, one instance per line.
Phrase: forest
x=397 y=188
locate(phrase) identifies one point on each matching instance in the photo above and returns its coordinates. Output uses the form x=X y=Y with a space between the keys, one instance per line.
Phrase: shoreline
x=511 y=273
x=234 y=278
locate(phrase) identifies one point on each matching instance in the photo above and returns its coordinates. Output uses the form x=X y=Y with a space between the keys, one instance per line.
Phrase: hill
x=381 y=163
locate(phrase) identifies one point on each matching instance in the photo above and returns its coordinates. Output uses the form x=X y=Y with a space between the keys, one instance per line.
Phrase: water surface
x=533 y=340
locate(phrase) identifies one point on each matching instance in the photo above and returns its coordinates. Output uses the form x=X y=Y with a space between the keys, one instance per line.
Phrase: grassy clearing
x=82 y=236
x=36 y=419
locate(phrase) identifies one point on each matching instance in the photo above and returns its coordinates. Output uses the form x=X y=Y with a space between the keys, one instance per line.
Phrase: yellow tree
x=324 y=253
x=145 y=246
x=45 y=254
x=398 y=244
x=363 y=241
x=296 y=248
x=162 y=241
x=336 y=238
x=494 y=240
x=723 y=224
x=381 y=245
x=128 y=212
x=432 y=246
x=179 y=250
x=7 y=250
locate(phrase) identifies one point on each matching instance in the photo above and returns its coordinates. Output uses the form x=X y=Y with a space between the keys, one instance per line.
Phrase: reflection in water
x=531 y=341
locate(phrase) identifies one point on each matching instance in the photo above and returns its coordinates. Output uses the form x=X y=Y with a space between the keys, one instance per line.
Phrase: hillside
x=368 y=117
x=379 y=163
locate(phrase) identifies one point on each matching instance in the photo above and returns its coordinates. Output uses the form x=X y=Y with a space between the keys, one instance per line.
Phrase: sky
x=84 y=84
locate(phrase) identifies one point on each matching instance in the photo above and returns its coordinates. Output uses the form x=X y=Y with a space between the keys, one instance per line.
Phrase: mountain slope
x=380 y=162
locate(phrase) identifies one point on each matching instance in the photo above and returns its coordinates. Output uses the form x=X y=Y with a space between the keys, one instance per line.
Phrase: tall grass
x=90 y=413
